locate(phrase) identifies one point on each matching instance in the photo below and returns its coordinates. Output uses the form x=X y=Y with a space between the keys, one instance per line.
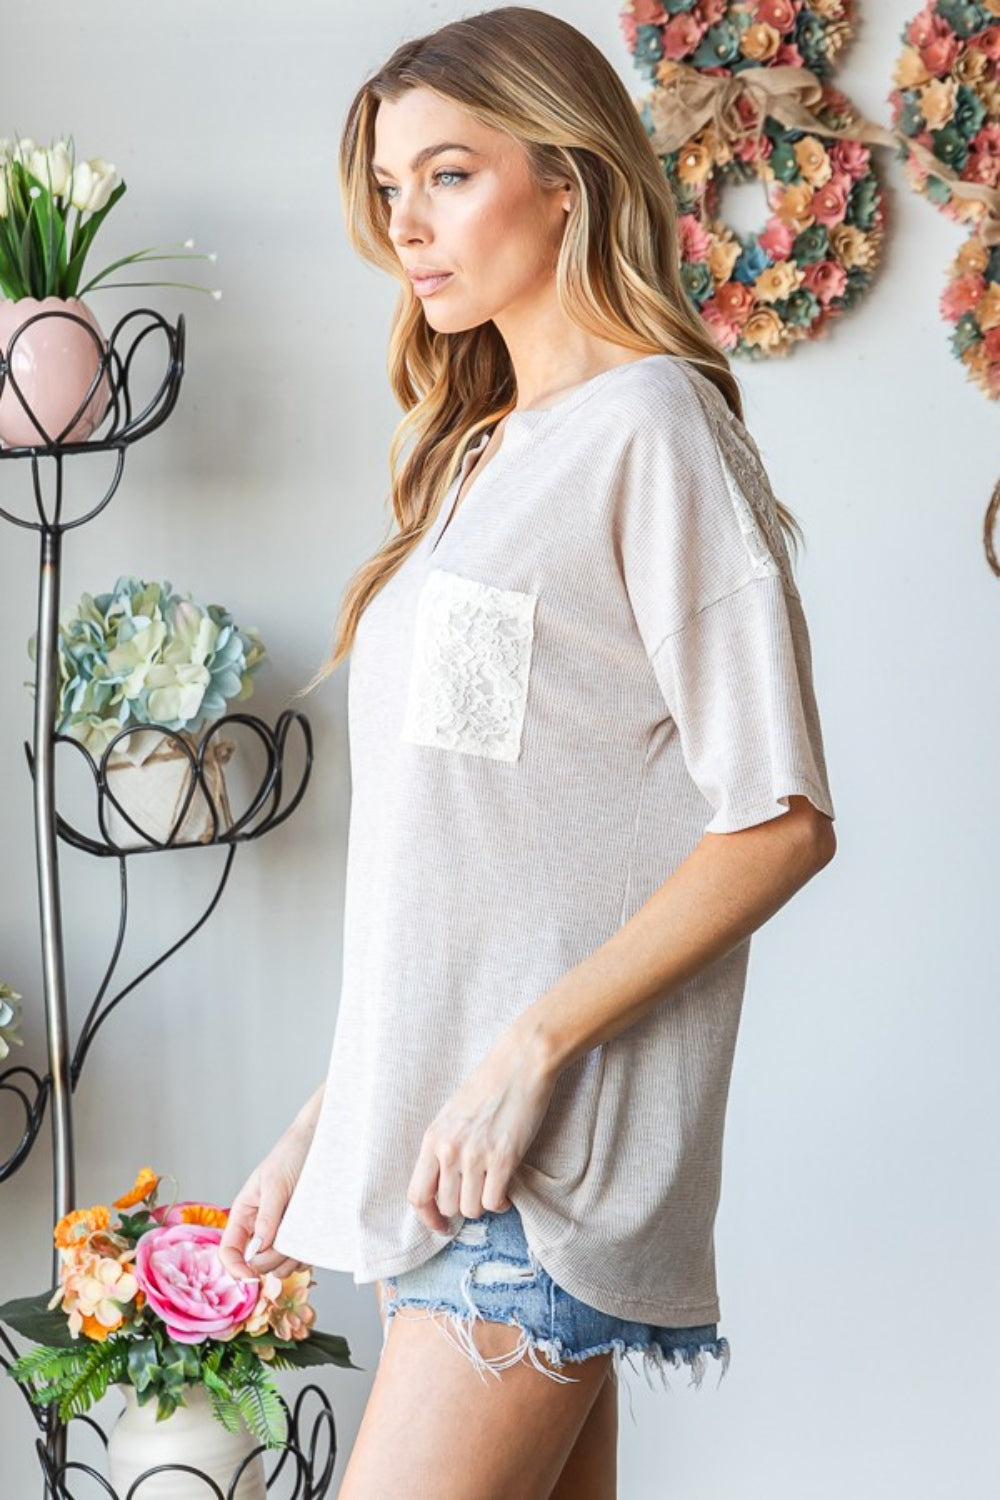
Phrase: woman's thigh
x=432 y=1426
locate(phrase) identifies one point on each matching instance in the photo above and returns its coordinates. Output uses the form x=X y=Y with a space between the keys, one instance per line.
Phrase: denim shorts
x=489 y=1272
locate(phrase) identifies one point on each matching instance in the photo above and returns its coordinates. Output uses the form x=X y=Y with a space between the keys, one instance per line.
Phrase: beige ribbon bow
x=686 y=99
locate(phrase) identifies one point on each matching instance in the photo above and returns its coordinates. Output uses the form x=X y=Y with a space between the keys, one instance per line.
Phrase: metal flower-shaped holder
x=303 y=1468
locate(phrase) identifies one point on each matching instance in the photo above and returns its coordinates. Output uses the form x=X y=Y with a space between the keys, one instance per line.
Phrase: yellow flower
x=829 y=10
x=722 y=257
x=937 y=102
x=988 y=307
x=760 y=42
x=795 y=205
x=79 y=1223
x=144 y=1187
x=694 y=163
x=764 y=329
x=848 y=244
x=973 y=257
x=814 y=163
x=778 y=281
x=970 y=65
x=204 y=1213
x=909 y=71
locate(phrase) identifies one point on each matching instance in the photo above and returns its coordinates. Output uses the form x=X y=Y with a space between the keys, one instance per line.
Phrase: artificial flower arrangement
x=946 y=105
x=10 y=1017
x=144 y=1300
x=40 y=188
x=760 y=293
x=141 y=655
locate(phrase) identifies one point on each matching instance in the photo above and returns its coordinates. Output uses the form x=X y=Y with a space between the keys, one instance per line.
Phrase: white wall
x=858 y=1232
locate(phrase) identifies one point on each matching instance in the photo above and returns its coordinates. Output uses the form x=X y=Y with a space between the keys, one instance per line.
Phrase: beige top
x=601 y=657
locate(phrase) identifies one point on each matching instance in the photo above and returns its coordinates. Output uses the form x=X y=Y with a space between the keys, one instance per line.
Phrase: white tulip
x=22 y=149
x=93 y=183
x=3 y=194
x=53 y=168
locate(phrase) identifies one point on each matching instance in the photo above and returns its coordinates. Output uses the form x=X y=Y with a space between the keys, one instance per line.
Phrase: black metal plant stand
x=303 y=1468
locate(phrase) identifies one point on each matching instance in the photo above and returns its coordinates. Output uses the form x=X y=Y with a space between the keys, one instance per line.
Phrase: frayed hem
x=458 y=1328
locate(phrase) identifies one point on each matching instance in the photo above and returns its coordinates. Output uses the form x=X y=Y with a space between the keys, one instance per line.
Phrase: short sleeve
x=711 y=587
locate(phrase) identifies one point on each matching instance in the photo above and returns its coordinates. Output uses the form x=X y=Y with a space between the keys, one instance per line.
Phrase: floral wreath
x=946 y=107
x=741 y=93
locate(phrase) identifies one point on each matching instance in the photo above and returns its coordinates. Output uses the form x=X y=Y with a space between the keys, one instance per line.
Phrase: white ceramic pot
x=154 y=791
x=191 y=1435
x=53 y=363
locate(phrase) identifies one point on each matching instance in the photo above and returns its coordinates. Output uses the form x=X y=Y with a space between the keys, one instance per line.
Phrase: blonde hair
x=541 y=80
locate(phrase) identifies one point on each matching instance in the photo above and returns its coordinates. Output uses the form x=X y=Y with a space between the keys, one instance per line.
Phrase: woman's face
x=475 y=214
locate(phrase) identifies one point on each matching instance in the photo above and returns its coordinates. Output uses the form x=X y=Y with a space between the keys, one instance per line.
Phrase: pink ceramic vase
x=53 y=362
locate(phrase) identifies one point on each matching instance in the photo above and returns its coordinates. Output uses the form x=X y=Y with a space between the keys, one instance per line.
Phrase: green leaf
x=84 y=239
x=143 y=1365
x=262 y=1411
x=30 y=1317
x=317 y=1349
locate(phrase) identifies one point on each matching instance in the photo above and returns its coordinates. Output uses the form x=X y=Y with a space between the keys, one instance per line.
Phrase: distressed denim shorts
x=488 y=1272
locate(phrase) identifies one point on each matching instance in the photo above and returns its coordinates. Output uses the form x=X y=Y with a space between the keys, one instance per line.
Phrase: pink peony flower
x=186 y=1284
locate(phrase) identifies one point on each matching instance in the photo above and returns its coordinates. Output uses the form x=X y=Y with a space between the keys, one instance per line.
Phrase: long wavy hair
x=618 y=274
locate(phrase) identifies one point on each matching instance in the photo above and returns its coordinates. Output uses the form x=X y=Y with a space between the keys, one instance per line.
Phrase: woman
x=587 y=765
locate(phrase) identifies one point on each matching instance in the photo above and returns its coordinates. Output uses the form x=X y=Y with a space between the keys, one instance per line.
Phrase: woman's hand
x=259 y=1208
x=480 y=1135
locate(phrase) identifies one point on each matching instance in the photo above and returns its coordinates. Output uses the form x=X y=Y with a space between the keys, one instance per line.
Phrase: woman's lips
x=425 y=285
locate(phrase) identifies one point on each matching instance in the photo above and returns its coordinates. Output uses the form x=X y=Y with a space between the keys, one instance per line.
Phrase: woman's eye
x=385 y=189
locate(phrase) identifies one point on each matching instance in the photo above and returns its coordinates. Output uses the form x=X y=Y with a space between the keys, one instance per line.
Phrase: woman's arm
x=727 y=887
x=723 y=891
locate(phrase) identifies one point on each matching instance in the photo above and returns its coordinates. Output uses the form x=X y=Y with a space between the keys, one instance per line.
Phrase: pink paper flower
x=693 y=238
x=722 y=328
x=777 y=239
x=826 y=279
x=962 y=296
x=681 y=36
x=781 y=14
x=851 y=158
x=829 y=203
x=186 y=1284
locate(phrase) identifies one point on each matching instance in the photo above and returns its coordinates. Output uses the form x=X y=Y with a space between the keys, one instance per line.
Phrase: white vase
x=190 y=1435
x=154 y=791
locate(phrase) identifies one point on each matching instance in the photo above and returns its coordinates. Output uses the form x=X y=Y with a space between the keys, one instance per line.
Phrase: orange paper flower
x=79 y=1223
x=145 y=1184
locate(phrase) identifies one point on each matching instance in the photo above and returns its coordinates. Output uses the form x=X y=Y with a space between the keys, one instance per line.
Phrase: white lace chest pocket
x=468 y=685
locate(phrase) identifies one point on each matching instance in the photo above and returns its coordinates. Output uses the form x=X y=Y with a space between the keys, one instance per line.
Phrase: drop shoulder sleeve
x=711 y=586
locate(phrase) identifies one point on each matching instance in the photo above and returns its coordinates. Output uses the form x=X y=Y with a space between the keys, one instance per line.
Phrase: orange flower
x=78 y=1223
x=93 y=1328
x=145 y=1186
x=204 y=1213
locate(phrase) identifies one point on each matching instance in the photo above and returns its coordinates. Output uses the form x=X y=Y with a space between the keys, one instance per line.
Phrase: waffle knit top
x=601 y=657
